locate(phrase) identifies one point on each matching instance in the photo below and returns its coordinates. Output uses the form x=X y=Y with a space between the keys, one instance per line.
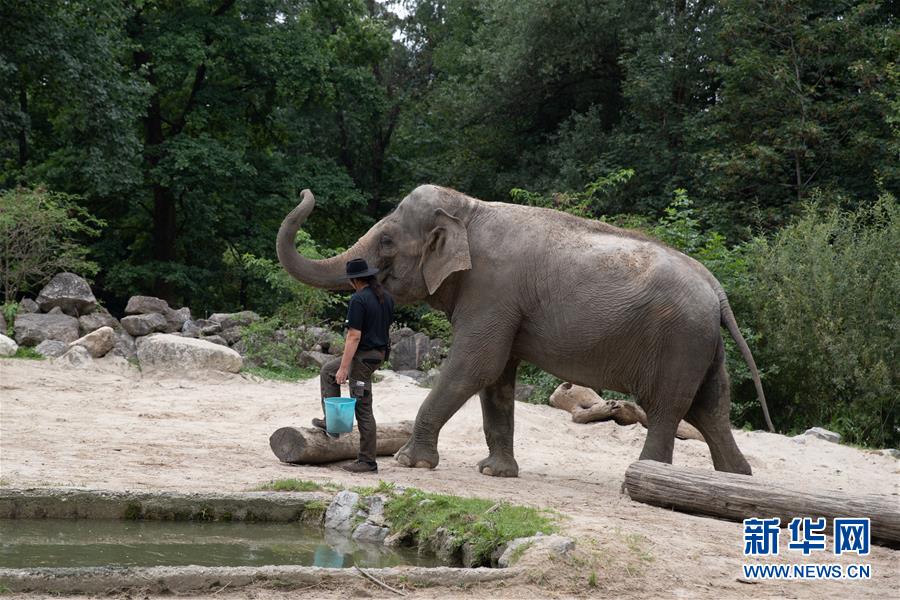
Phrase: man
x=369 y=318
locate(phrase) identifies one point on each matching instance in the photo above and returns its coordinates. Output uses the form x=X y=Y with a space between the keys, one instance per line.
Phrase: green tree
x=824 y=296
x=41 y=234
x=803 y=103
x=67 y=103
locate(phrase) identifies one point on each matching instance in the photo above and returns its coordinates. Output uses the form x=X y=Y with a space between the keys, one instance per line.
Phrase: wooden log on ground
x=587 y=406
x=310 y=445
x=737 y=497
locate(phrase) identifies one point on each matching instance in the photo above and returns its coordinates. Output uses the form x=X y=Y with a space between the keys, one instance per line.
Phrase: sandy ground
x=110 y=427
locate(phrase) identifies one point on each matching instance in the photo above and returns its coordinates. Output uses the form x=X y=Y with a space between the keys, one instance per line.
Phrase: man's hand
x=350 y=345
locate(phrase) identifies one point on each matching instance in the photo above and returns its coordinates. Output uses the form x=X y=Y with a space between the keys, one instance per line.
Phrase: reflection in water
x=326 y=556
x=64 y=543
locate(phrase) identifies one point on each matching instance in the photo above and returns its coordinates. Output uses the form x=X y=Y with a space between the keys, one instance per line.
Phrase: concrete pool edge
x=106 y=580
x=84 y=503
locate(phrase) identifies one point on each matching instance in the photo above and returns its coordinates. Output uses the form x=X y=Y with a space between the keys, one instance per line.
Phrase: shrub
x=272 y=291
x=435 y=325
x=273 y=350
x=41 y=234
x=544 y=383
x=824 y=297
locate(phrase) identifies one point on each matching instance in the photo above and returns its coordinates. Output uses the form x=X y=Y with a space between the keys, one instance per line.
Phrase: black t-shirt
x=372 y=318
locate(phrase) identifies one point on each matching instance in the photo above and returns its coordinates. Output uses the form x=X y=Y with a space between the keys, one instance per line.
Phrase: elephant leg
x=479 y=354
x=710 y=414
x=498 y=409
x=661 y=428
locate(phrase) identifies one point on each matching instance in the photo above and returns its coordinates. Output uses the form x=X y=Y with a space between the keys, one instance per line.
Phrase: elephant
x=590 y=303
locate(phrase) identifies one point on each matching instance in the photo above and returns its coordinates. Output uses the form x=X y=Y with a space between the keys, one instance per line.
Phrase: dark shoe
x=320 y=424
x=361 y=467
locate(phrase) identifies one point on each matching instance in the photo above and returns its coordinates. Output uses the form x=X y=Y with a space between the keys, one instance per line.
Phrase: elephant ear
x=446 y=250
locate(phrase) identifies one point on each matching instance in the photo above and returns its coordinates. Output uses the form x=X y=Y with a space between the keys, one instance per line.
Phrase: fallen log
x=736 y=497
x=587 y=406
x=311 y=446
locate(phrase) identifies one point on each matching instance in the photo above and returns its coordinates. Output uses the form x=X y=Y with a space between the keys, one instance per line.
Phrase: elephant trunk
x=328 y=273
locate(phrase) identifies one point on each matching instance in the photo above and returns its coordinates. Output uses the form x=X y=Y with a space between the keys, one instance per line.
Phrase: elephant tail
x=731 y=325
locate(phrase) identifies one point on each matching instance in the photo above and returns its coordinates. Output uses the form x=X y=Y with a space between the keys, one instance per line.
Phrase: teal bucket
x=339 y=414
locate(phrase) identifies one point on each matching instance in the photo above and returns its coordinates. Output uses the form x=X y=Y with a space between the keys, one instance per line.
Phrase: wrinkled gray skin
x=590 y=303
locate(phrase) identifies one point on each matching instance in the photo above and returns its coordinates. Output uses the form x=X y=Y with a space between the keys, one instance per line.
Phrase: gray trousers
x=364 y=364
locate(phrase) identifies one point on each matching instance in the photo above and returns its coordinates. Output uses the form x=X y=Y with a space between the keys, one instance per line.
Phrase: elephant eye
x=386 y=240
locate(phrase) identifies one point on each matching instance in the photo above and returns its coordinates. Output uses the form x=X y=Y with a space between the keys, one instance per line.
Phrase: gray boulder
x=372 y=534
x=410 y=350
x=314 y=360
x=145 y=305
x=374 y=508
x=98 y=342
x=125 y=346
x=51 y=348
x=442 y=544
x=334 y=344
x=555 y=546
x=341 y=512
x=76 y=357
x=199 y=327
x=142 y=305
x=313 y=336
x=215 y=339
x=176 y=353
x=891 y=452
x=100 y=317
x=232 y=334
x=69 y=292
x=417 y=376
x=56 y=311
x=27 y=305
x=33 y=328
x=229 y=320
x=8 y=347
x=399 y=538
x=175 y=319
x=145 y=324
x=823 y=434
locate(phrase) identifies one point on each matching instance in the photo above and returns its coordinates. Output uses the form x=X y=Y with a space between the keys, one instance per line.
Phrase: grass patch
x=314 y=512
x=291 y=485
x=383 y=487
x=282 y=373
x=467 y=519
x=27 y=353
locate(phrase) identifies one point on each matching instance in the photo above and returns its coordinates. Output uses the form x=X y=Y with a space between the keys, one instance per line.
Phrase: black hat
x=359 y=268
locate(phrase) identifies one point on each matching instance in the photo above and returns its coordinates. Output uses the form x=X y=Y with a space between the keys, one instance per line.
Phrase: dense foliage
x=189 y=127
x=41 y=234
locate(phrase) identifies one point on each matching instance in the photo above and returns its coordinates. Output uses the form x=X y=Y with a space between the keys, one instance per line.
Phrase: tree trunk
x=736 y=497
x=23 y=131
x=587 y=406
x=310 y=446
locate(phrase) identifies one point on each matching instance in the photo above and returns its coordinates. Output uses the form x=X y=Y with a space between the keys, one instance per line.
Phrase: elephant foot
x=418 y=455
x=499 y=466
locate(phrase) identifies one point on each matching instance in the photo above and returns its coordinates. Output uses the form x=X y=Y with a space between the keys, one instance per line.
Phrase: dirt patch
x=111 y=428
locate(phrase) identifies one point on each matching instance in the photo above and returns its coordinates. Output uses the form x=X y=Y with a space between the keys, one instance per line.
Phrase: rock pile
x=67 y=324
x=66 y=315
